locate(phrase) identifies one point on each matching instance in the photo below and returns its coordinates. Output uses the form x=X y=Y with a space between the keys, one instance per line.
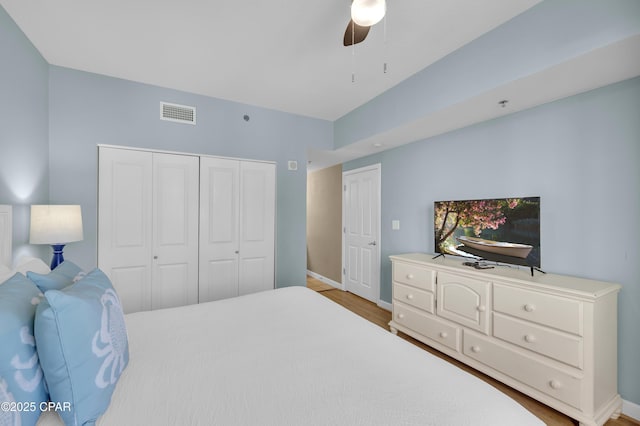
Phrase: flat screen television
x=504 y=230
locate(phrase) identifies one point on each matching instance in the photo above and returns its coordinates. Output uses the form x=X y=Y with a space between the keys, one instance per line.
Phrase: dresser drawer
x=553 y=311
x=414 y=275
x=413 y=296
x=529 y=371
x=427 y=326
x=555 y=344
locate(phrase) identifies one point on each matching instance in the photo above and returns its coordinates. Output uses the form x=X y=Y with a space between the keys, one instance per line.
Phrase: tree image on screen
x=477 y=215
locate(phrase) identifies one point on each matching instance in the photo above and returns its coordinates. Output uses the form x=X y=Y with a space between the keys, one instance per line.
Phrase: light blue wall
x=24 y=149
x=581 y=155
x=545 y=35
x=89 y=109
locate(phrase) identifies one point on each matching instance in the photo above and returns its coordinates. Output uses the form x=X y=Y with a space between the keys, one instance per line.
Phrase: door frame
x=377 y=167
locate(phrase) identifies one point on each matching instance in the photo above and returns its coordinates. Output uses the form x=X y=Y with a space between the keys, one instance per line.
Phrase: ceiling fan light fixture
x=368 y=12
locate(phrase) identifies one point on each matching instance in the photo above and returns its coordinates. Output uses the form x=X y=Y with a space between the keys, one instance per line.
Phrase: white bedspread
x=289 y=357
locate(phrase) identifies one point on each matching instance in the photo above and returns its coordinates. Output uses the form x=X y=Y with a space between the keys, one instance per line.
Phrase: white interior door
x=175 y=230
x=361 y=226
x=124 y=224
x=219 y=227
x=257 y=230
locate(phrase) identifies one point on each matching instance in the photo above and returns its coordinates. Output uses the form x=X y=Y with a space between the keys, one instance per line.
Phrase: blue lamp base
x=57 y=255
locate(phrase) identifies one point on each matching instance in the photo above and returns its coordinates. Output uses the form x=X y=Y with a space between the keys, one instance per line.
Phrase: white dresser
x=552 y=337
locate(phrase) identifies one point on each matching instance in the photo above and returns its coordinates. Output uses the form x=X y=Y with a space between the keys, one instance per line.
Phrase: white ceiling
x=285 y=55
x=288 y=55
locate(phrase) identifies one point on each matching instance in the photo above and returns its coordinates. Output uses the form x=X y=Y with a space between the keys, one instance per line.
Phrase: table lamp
x=56 y=225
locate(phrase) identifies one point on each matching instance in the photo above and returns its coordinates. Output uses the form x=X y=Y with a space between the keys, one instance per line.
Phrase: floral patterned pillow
x=83 y=346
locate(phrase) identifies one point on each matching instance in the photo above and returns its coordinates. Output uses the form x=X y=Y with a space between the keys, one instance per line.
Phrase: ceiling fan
x=364 y=14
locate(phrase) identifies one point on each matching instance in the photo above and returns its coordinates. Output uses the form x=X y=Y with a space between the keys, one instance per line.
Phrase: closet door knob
x=481 y=308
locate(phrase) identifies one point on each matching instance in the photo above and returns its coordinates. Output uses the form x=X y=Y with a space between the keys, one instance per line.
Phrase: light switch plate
x=395 y=225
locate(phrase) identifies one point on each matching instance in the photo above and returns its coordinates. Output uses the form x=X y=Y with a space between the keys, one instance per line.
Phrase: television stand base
x=537 y=269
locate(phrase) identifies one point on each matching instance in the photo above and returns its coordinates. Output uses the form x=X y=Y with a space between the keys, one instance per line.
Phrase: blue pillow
x=83 y=347
x=65 y=274
x=20 y=373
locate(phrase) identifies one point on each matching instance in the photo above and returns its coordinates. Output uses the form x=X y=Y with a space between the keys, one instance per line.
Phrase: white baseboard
x=325 y=280
x=631 y=409
x=384 y=305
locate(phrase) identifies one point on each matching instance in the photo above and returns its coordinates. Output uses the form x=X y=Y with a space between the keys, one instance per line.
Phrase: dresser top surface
x=519 y=275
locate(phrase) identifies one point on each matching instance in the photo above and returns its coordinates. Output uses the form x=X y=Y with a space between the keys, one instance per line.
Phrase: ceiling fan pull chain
x=384 y=44
x=353 y=52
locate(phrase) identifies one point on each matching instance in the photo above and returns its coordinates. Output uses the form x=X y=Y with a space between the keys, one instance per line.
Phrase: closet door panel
x=175 y=230
x=124 y=224
x=255 y=275
x=169 y=288
x=257 y=233
x=225 y=284
x=132 y=285
x=219 y=227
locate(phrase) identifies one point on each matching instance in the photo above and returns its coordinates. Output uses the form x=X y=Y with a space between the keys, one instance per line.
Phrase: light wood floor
x=381 y=317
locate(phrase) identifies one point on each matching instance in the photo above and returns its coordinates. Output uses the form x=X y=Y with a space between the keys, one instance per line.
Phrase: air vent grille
x=177 y=113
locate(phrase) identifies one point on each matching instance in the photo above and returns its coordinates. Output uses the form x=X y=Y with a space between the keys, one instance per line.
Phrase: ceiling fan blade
x=354 y=33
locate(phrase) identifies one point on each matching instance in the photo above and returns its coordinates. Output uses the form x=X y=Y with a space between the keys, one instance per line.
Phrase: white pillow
x=5 y=273
x=31 y=264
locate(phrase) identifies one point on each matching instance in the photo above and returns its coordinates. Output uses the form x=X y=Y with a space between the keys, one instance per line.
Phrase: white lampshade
x=368 y=12
x=55 y=224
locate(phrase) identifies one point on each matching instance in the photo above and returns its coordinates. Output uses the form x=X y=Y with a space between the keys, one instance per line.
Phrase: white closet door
x=124 y=224
x=257 y=227
x=175 y=230
x=219 y=227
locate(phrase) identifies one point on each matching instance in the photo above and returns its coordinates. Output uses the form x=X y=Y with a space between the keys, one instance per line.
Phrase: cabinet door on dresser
x=463 y=300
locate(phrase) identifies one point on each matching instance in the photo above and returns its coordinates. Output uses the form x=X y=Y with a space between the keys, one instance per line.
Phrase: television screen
x=503 y=230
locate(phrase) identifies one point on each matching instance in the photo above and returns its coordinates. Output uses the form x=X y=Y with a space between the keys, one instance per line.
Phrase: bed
x=287 y=357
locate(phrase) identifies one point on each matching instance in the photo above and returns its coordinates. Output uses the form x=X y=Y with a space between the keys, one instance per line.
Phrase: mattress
x=289 y=357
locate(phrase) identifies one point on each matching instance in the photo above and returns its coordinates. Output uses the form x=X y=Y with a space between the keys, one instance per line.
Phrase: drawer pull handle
x=529 y=338
x=475 y=349
x=409 y=296
x=529 y=307
x=400 y=316
x=554 y=384
x=443 y=334
x=409 y=276
x=481 y=308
